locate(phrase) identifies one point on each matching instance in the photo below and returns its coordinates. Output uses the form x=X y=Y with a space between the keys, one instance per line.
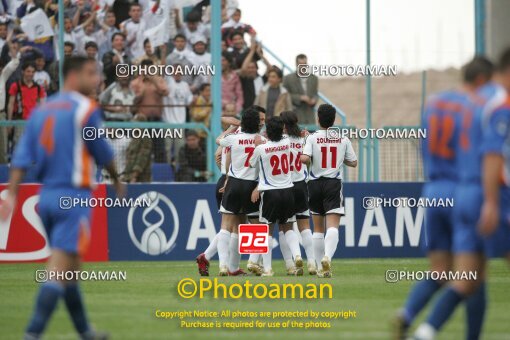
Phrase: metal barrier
x=394 y=160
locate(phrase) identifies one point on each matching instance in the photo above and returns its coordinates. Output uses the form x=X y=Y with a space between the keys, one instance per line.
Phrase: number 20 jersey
x=273 y=162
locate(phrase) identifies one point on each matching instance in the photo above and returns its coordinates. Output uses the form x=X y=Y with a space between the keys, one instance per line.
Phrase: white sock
x=254 y=257
x=212 y=249
x=306 y=238
x=234 y=257
x=223 y=243
x=425 y=331
x=266 y=258
x=293 y=241
x=284 y=247
x=331 y=242
x=318 y=248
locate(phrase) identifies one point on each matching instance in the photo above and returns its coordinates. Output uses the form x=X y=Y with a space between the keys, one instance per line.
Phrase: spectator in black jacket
x=116 y=56
x=192 y=159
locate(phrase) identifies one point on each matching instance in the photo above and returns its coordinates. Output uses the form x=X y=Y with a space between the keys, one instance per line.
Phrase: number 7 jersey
x=241 y=146
x=327 y=155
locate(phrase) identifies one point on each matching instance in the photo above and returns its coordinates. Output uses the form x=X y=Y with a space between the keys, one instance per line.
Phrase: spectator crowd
x=122 y=32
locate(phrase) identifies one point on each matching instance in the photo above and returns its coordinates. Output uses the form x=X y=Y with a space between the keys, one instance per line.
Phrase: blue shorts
x=67 y=226
x=438 y=232
x=467 y=206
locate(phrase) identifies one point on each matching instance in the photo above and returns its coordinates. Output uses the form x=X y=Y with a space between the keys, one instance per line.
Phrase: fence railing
x=395 y=160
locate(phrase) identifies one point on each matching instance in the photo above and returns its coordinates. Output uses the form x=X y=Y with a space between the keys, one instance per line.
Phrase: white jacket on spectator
x=6 y=73
x=135 y=31
x=180 y=94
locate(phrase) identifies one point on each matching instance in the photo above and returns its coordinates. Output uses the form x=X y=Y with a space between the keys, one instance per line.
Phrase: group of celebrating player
x=466 y=157
x=280 y=176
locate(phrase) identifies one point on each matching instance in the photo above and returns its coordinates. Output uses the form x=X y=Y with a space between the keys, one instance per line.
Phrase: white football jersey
x=224 y=153
x=299 y=172
x=327 y=155
x=241 y=147
x=273 y=161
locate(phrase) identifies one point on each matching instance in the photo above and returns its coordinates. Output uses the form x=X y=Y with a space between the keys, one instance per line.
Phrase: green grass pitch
x=126 y=309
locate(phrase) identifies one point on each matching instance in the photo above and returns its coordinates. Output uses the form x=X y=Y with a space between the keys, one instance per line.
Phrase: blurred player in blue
x=446 y=117
x=469 y=247
x=52 y=142
x=496 y=164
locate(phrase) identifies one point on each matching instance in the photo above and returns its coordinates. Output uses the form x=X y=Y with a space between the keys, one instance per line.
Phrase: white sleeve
x=227 y=140
x=349 y=152
x=255 y=157
x=307 y=147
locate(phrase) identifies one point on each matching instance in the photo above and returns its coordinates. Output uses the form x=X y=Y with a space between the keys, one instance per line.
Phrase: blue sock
x=419 y=296
x=475 y=309
x=74 y=304
x=444 y=308
x=45 y=304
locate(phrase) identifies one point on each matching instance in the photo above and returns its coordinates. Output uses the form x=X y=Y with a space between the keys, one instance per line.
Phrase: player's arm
x=230 y=121
x=350 y=158
x=228 y=160
x=492 y=169
x=24 y=157
x=306 y=156
x=217 y=156
x=222 y=139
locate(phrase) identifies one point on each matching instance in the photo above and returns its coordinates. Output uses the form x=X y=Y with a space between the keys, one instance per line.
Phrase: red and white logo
x=253 y=238
x=23 y=236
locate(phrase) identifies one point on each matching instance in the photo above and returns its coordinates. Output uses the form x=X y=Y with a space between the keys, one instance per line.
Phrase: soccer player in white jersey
x=242 y=180
x=272 y=159
x=300 y=189
x=223 y=161
x=325 y=153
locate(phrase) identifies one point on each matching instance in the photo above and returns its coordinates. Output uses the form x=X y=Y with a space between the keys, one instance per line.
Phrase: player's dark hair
x=504 y=60
x=135 y=4
x=237 y=11
x=479 y=66
x=250 y=121
x=290 y=121
x=274 y=129
x=327 y=115
x=146 y=41
x=75 y=63
x=258 y=108
x=300 y=56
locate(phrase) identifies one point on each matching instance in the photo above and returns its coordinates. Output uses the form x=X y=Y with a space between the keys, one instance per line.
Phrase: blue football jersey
x=53 y=142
